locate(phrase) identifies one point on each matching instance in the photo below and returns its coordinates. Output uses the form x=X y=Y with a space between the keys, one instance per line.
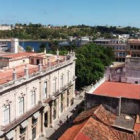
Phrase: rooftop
x=6 y=73
x=96 y=127
x=116 y=89
x=17 y=55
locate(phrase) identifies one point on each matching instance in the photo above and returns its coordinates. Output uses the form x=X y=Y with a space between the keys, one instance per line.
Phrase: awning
x=36 y=115
x=24 y=124
x=10 y=135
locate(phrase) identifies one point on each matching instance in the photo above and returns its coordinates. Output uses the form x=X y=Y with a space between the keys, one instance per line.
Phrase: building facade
x=118 y=47
x=134 y=47
x=35 y=89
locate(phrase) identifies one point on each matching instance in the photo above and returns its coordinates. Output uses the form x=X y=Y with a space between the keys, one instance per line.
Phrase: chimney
x=14 y=45
x=33 y=49
x=26 y=72
x=14 y=75
x=44 y=50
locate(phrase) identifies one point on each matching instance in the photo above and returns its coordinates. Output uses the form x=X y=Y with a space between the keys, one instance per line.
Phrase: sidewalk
x=57 y=129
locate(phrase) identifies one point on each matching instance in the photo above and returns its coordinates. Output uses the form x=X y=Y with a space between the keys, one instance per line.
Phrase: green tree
x=90 y=64
x=29 y=49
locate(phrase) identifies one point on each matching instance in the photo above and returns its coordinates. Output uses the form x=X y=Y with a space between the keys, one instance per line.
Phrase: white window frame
x=45 y=90
x=33 y=98
x=54 y=85
x=21 y=105
x=6 y=114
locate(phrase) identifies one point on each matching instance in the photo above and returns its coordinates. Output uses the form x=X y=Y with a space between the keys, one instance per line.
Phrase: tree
x=29 y=49
x=90 y=64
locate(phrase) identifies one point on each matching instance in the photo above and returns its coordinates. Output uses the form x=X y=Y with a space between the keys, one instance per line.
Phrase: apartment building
x=35 y=89
x=118 y=47
x=134 y=47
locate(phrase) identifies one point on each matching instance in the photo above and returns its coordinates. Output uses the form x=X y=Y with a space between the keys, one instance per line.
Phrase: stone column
x=29 y=129
x=17 y=132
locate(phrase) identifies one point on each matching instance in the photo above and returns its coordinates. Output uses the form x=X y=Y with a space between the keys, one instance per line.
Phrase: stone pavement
x=58 y=129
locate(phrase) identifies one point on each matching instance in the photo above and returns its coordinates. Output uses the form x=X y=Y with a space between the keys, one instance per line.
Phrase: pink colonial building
x=35 y=89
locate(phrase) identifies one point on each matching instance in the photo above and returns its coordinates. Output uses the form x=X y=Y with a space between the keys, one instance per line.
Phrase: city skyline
x=60 y=12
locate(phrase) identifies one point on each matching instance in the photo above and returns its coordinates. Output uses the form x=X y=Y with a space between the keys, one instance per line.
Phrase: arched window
x=6 y=112
x=21 y=105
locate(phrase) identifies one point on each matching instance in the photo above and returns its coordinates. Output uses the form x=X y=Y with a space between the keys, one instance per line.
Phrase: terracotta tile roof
x=96 y=124
x=71 y=133
x=85 y=115
x=7 y=75
x=99 y=113
x=104 y=116
x=95 y=130
x=116 y=89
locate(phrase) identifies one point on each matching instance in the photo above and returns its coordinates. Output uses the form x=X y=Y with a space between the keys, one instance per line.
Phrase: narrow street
x=66 y=120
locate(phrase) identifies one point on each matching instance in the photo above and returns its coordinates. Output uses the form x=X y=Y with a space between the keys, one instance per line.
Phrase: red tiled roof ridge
x=89 y=119
x=82 y=115
x=108 y=115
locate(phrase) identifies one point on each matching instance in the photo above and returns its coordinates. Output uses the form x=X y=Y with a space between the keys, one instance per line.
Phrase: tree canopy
x=91 y=62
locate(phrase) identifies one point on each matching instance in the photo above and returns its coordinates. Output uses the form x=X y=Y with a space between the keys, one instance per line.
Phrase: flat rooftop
x=123 y=123
x=116 y=89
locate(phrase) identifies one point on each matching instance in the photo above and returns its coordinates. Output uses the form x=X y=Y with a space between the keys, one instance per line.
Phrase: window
x=45 y=90
x=34 y=120
x=61 y=81
x=33 y=133
x=62 y=98
x=33 y=98
x=21 y=105
x=22 y=130
x=6 y=114
x=54 y=110
x=68 y=77
x=54 y=85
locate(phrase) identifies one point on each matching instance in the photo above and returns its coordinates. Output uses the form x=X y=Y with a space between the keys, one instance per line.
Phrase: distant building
x=35 y=89
x=134 y=47
x=5 y=27
x=118 y=47
x=127 y=72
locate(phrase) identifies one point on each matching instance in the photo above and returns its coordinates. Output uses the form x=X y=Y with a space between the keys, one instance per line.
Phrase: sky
x=71 y=12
